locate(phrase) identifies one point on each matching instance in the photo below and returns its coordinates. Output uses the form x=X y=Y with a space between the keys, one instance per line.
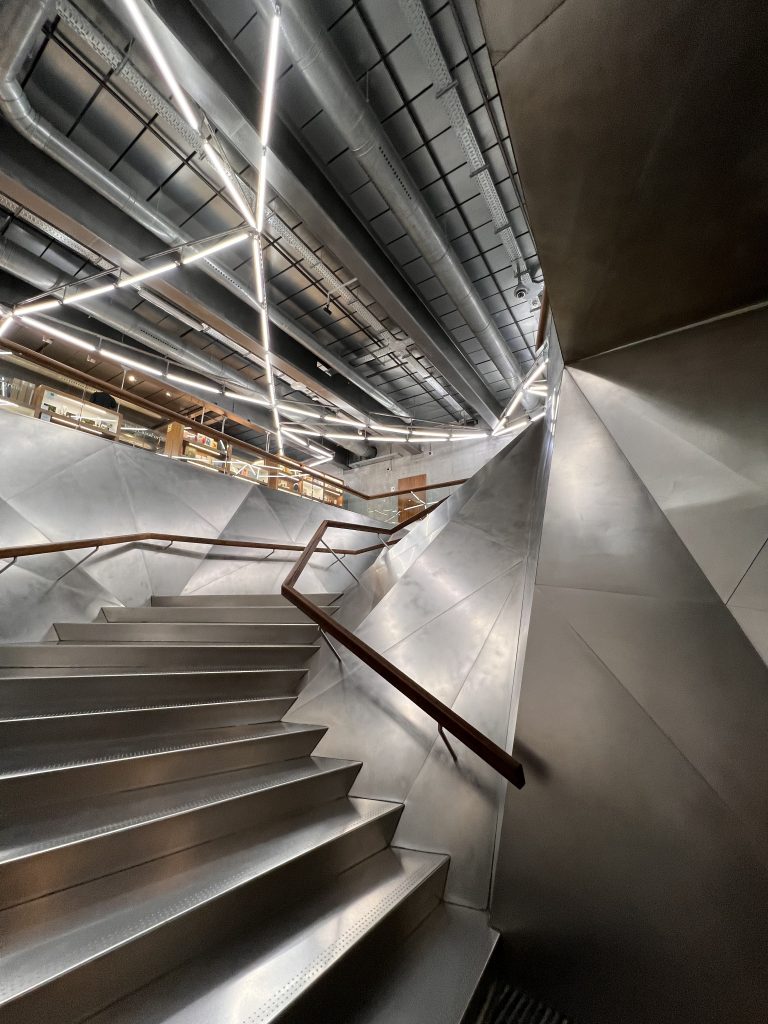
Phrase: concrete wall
x=632 y=876
x=61 y=484
x=451 y=461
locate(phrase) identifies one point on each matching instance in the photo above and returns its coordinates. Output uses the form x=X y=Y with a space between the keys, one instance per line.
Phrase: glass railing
x=34 y=385
x=98 y=413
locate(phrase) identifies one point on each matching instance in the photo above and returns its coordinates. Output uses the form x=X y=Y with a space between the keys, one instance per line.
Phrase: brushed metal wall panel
x=60 y=484
x=446 y=605
x=626 y=890
x=602 y=529
x=633 y=868
x=696 y=434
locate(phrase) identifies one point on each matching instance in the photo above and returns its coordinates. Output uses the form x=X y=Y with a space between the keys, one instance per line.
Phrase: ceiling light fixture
x=209 y=250
x=192 y=383
x=36 y=307
x=162 y=65
x=255 y=399
x=519 y=394
x=89 y=293
x=54 y=332
x=227 y=177
x=117 y=357
x=340 y=421
x=144 y=275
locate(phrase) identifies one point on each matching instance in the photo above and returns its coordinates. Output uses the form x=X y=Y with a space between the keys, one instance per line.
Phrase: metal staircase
x=172 y=851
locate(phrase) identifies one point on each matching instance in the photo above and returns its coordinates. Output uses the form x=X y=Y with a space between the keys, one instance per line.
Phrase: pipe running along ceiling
x=287 y=247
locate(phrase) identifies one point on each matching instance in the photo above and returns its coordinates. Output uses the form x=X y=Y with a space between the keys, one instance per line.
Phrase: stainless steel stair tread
x=53 y=673
x=270 y=633
x=80 y=821
x=256 y=979
x=432 y=977
x=19 y=762
x=257 y=615
x=237 y=600
x=56 y=934
x=279 y=703
x=181 y=654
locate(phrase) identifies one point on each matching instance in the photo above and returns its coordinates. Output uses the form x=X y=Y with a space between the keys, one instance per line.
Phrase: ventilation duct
x=20 y=23
x=316 y=56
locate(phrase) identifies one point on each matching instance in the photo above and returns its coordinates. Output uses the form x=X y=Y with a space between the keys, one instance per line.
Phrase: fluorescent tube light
x=192 y=383
x=133 y=363
x=229 y=184
x=390 y=430
x=341 y=422
x=36 y=307
x=261 y=192
x=270 y=76
x=256 y=400
x=56 y=332
x=144 y=275
x=89 y=293
x=209 y=250
x=162 y=64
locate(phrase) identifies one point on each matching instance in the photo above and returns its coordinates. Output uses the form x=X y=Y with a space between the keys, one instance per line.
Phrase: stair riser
x=99 y=982
x=29 y=695
x=212 y=613
x=47 y=787
x=236 y=600
x=53 y=870
x=185 y=633
x=165 y=721
x=154 y=656
x=337 y=991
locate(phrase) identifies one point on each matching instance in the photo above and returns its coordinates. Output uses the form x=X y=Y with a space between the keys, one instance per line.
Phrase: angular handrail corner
x=488 y=751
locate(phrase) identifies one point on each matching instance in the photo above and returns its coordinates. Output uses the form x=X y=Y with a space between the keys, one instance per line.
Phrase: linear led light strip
x=538 y=371
x=256 y=222
x=131 y=281
x=114 y=357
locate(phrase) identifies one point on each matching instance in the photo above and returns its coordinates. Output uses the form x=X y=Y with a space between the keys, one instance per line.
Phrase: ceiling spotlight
x=327 y=306
x=520 y=290
x=168 y=394
x=132 y=378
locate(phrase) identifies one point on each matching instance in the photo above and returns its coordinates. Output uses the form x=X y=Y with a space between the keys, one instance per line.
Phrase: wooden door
x=407 y=505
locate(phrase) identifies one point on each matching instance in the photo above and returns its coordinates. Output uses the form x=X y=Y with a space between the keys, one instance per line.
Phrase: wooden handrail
x=160 y=410
x=446 y=718
x=182 y=538
x=135 y=538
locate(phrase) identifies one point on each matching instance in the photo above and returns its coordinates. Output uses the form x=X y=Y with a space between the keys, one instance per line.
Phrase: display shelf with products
x=58 y=407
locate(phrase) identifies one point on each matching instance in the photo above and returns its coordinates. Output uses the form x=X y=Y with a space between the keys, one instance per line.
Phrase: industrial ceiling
x=401 y=276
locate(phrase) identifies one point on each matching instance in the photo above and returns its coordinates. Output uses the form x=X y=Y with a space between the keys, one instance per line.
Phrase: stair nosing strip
x=227 y=888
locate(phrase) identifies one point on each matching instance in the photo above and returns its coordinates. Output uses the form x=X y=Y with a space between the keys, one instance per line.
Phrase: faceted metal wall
x=61 y=484
x=632 y=876
x=689 y=412
x=445 y=605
